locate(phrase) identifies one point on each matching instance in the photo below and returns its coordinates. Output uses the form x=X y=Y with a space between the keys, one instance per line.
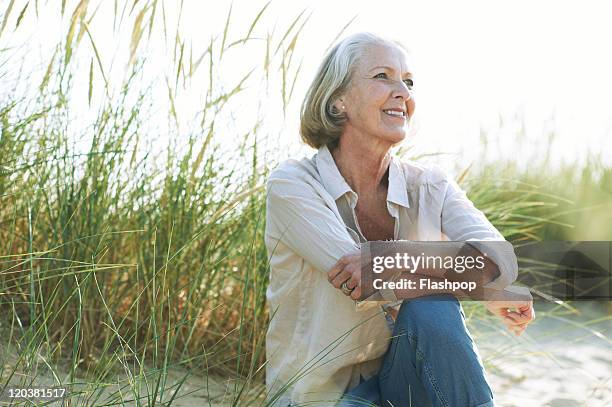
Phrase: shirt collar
x=333 y=181
x=398 y=189
x=336 y=185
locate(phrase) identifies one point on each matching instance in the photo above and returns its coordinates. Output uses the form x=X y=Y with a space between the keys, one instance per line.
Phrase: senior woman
x=324 y=348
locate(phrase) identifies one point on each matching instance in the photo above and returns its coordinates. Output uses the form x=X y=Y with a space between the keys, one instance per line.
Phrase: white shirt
x=320 y=341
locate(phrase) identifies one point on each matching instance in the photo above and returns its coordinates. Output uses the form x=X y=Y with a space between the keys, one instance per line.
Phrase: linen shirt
x=319 y=341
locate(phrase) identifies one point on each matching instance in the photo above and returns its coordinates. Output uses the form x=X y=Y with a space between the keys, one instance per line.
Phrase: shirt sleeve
x=306 y=225
x=309 y=227
x=462 y=221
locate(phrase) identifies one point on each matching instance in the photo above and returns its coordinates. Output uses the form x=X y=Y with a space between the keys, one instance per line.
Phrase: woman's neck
x=362 y=164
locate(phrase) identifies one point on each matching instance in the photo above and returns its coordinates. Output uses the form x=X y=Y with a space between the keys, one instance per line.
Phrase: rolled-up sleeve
x=302 y=221
x=462 y=221
x=299 y=217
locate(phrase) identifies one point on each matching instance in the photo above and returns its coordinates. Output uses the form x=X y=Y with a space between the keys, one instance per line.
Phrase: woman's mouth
x=395 y=113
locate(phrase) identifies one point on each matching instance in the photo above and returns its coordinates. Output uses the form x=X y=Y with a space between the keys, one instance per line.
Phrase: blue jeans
x=431 y=361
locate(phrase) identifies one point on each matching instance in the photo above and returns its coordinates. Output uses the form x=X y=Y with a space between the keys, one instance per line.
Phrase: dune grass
x=121 y=261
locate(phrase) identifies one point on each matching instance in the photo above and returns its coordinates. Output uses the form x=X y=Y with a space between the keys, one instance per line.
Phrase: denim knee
x=440 y=352
x=437 y=319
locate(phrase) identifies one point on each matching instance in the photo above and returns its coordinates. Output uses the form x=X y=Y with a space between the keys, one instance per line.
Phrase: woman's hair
x=321 y=122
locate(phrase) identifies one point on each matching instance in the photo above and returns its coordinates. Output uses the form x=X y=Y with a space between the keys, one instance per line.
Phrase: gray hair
x=321 y=123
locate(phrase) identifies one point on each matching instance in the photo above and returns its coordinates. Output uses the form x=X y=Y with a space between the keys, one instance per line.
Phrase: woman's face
x=378 y=102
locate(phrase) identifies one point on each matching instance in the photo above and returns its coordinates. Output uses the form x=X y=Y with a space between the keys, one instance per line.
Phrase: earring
x=343 y=107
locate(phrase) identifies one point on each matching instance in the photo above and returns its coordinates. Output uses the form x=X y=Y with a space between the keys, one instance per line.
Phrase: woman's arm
x=299 y=217
x=310 y=228
x=462 y=221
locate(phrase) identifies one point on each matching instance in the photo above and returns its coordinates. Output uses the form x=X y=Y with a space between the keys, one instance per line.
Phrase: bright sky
x=478 y=64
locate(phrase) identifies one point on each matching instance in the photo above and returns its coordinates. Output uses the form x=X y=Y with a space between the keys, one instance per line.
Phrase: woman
x=321 y=344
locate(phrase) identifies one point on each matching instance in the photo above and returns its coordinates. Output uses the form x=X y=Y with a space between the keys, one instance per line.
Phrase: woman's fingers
x=518 y=329
x=528 y=311
x=518 y=318
x=347 y=270
x=340 y=265
x=516 y=323
x=340 y=278
x=513 y=326
x=515 y=315
x=509 y=319
x=336 y=269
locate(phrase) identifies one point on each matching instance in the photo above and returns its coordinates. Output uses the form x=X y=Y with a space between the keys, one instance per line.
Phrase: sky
x=498 y=68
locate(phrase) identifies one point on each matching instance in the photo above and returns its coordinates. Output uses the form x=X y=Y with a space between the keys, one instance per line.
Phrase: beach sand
x=558 y=362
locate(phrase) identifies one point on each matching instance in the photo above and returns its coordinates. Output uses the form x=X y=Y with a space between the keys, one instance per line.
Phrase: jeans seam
x=428 y=372
x=385 y=373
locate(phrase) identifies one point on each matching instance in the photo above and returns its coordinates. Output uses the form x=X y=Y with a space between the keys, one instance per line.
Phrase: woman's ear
x=339 y=105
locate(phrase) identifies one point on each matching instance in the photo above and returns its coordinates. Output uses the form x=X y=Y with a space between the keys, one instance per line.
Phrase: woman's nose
x=402 y=90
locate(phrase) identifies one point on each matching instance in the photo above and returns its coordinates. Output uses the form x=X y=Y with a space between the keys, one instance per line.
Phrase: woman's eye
x=409 y=82
x=381 y=75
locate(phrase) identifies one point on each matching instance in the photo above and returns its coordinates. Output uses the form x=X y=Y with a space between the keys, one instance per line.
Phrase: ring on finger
x=345 y=289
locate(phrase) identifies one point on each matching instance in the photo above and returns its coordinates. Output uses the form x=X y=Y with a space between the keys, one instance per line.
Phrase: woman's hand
x=347 y=269
x=516 y=315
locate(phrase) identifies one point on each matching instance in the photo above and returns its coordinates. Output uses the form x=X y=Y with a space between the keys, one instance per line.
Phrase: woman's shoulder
x=293 y=170
x=297 y=179
x=419 y=174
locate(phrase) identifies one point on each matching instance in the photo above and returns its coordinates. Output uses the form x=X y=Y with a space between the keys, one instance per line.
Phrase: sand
x=558 y=362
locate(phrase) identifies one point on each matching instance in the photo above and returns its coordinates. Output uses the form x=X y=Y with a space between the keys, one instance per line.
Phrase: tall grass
x=122 y=258
x=118 y=259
